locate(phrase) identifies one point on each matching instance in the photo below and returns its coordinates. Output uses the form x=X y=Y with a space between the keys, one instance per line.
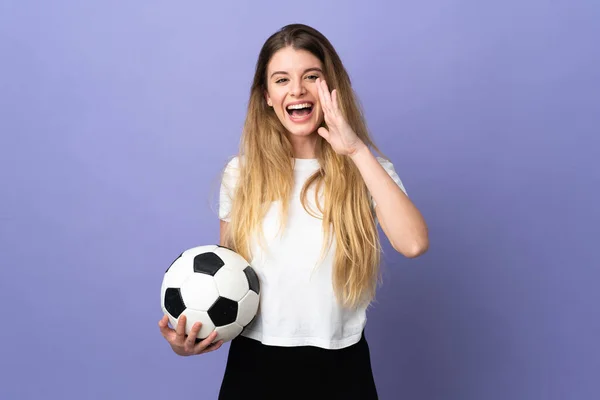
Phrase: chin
x=302 y=131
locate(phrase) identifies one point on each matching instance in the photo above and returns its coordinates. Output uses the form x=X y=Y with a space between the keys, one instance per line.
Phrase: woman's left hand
x=340 y=134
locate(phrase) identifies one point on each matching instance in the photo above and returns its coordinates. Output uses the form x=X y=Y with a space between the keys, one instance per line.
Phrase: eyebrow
x=307 y=70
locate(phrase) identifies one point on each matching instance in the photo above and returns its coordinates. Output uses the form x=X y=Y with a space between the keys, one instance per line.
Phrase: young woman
x=302 y=201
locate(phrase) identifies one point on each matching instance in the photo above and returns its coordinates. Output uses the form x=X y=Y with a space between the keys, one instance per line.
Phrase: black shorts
x=259 y=372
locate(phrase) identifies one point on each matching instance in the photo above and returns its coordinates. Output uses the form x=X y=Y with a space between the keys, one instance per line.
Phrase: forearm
x=401 y=221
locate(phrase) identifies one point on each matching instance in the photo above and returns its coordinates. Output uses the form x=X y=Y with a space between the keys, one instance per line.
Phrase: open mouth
x=300 y=111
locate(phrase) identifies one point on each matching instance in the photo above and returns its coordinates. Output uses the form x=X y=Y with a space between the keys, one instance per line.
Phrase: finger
x=180 y=329
x=163 y=323
x=167 y=332
x=334 y=101
x=213 y=347
x=324 y=133
x=191 y=339
x=322 y=95
x=200 y=347
x=327 y=95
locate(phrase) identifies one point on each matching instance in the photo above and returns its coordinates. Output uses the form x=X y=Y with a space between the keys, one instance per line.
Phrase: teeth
x=299 y=106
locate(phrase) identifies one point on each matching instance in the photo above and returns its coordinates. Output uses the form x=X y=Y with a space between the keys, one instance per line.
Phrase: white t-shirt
x=297 y=303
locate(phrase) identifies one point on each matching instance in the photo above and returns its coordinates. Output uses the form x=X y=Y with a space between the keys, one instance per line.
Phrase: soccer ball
x=213 y=285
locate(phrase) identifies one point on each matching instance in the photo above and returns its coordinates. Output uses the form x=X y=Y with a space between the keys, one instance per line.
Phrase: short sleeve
x=227 y=190
x=389 y=168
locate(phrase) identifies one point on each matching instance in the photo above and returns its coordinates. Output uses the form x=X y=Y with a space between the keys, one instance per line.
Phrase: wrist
x=359 y=152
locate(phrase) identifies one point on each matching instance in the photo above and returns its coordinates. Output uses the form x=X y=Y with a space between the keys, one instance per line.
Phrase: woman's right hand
x=185 y=345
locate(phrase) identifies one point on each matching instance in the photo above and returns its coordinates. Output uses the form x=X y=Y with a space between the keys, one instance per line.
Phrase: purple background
x=116 y=117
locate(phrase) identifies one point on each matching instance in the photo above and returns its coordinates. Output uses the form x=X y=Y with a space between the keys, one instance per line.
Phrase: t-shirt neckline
x=306 y=163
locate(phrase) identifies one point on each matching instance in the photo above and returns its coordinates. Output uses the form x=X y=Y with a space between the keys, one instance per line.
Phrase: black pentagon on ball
x=252 y=279
x=174 y=302
x=207 y=263
x=223 y=311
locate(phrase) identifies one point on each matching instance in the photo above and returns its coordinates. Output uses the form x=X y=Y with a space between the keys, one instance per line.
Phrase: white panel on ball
x=228 y=332
x=231 y=283
x=247 y=308
x=199 y=291
x=177 y=273
x=231 y=258
x=194 y=316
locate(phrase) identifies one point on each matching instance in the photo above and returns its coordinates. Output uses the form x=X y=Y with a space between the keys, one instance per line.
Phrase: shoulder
x=229 y=179
x=232 y=167
x=233 y=163
x=230 y=174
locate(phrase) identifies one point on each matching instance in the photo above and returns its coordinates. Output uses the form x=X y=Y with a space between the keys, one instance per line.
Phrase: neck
x=304 y=146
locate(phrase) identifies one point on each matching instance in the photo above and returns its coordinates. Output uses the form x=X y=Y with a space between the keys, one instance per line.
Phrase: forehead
x=291 y=60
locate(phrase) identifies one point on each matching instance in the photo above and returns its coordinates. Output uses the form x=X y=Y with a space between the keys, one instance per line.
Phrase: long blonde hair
x=266 y=174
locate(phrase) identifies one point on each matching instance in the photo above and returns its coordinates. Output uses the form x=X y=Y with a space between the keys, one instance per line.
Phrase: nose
x=297 y=88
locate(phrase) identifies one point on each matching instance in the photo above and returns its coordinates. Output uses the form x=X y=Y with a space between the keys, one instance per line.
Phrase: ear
x=268 y=99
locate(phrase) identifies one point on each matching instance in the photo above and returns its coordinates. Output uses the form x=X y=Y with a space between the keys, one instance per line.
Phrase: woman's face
x=292 y=90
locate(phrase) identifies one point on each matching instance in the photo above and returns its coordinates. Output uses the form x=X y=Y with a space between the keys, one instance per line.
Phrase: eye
x=280 y=80
x=312 y=77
